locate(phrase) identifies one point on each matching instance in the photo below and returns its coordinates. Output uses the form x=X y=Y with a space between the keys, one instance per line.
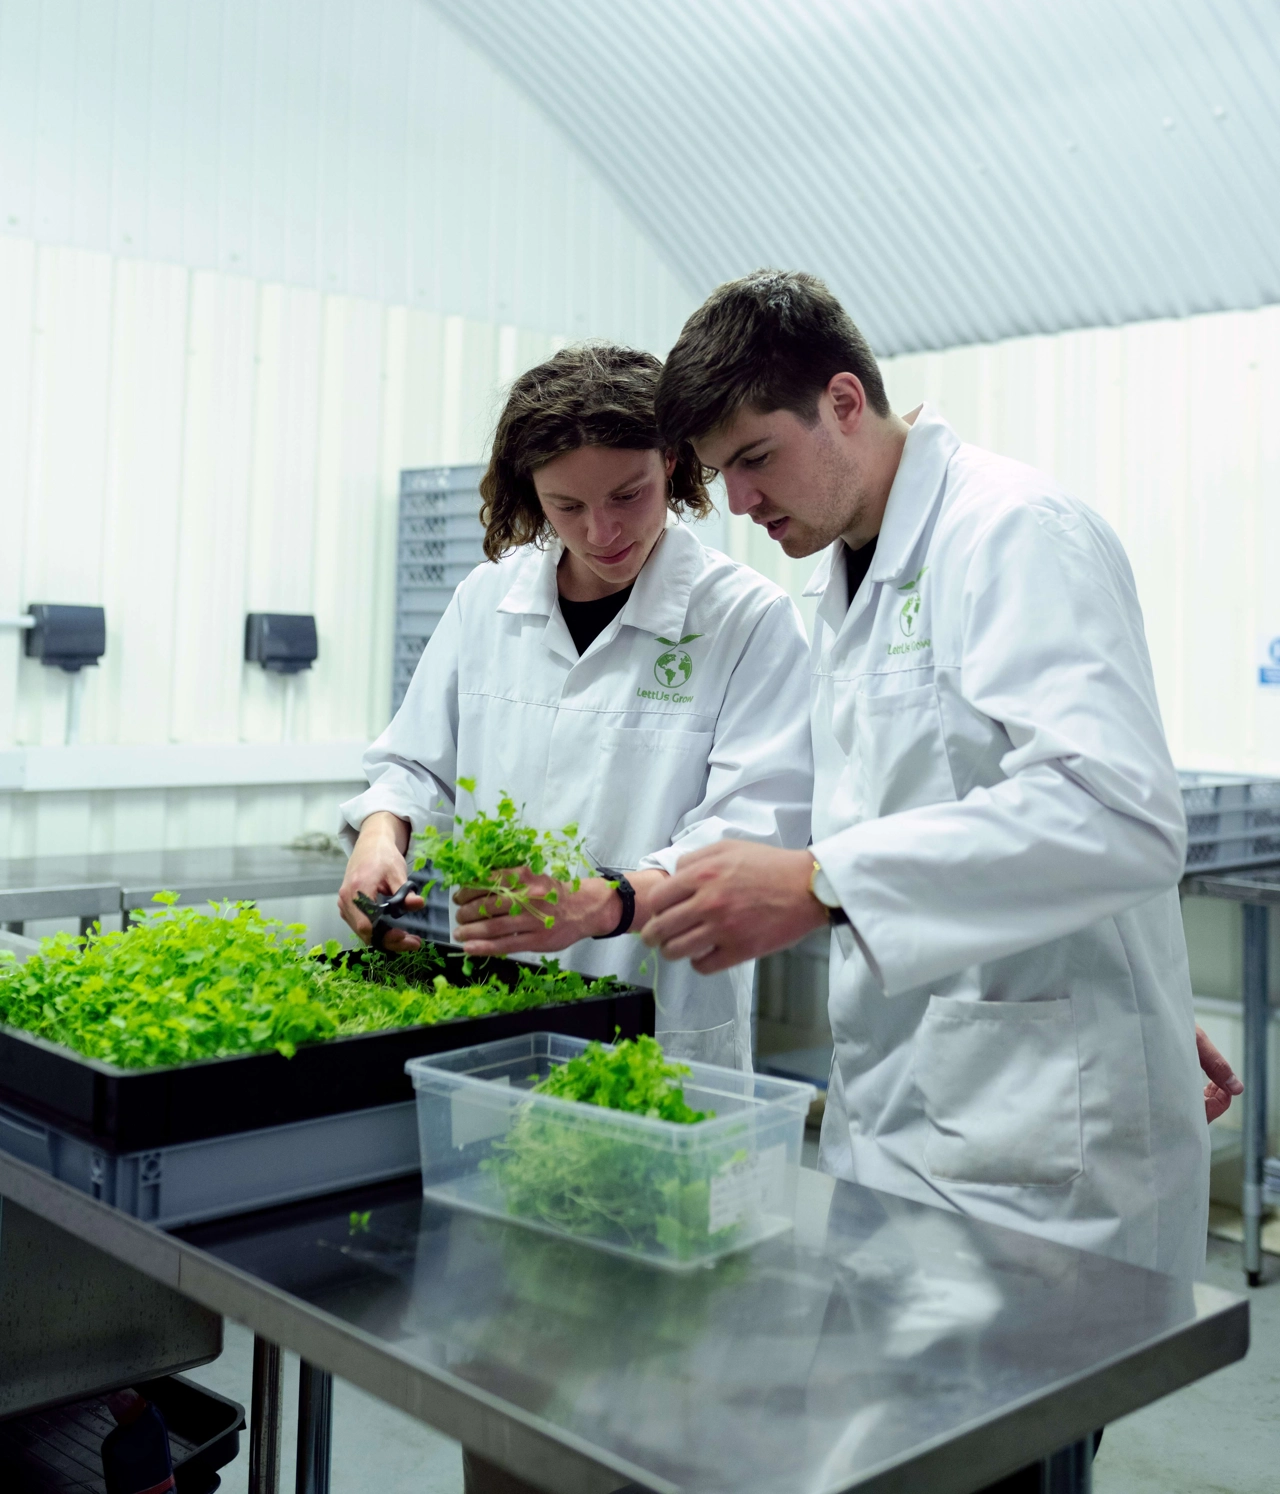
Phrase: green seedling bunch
x=183 y=984
x=589 y=1180
x=634 y=1075
x=486 y=851
x=178 y=985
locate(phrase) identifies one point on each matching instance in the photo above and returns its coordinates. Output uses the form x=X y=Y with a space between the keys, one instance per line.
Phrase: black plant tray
x=59 y=1451
x=133 y=1110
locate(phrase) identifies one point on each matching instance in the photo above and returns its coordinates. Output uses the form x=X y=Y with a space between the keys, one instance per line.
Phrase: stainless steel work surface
x=25 y=896
x=1256 y=884
x=882 y=1346
x=134 y=877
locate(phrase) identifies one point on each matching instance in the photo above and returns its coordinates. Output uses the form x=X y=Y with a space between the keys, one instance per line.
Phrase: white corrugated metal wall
x=254 y=259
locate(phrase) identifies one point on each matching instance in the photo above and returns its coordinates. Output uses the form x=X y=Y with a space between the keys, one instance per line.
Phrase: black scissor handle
x=390 y=912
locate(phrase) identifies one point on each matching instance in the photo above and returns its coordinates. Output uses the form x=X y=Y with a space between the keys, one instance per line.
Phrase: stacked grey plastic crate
x=1233 y=820
x=439 y=543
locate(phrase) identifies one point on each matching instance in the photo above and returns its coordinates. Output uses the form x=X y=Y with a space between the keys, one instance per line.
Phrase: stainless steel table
x=883 y=1346
x=99 y=883
x=29 y=889
x=1257 y=889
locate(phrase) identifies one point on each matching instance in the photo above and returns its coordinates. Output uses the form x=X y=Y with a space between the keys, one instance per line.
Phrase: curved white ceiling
x=959 y=170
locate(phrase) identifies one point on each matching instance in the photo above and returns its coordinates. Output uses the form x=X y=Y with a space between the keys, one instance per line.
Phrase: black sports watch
x=628 y=895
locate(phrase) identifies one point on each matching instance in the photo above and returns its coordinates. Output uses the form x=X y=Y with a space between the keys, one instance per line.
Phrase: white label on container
x=476 y=1117
x=741 y=1189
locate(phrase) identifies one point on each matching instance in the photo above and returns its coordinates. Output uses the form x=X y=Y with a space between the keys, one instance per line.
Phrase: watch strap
x=628 y=895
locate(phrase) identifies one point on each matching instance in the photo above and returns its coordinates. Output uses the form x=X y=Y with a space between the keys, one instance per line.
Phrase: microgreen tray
x=670 y=1194
x=131 y=1110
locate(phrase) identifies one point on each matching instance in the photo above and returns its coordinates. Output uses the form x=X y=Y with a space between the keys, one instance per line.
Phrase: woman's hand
x=487 y=926
x=377 y=868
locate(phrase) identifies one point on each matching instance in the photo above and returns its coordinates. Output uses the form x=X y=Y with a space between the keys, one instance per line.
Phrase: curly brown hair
x=588 y=395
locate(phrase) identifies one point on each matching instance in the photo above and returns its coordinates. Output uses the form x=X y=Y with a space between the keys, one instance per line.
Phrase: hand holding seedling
x=499 y=853
x=558 y=915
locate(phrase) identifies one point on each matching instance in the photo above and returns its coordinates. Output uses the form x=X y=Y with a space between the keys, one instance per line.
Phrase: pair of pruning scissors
x=389 y=913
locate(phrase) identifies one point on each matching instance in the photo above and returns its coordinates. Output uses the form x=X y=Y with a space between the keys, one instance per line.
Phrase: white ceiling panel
x=959 y=170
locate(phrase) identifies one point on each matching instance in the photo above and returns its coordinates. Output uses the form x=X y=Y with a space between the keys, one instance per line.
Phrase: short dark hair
x=773 y=340
x=593 y=394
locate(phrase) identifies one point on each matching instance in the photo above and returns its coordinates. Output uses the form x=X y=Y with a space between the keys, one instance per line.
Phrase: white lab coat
x=996 y=807
x=650 y=762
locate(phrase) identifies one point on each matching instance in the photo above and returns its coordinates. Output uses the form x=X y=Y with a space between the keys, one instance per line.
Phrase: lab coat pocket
x=1001 y=1088
x=900 y=751
x=647 y=779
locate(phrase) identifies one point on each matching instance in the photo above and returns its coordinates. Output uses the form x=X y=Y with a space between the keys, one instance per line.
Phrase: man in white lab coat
x=998 y=829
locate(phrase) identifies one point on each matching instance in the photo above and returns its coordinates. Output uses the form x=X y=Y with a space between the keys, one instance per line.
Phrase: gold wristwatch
x=821 y=888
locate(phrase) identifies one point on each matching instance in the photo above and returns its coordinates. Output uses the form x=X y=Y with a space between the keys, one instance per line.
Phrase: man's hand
x=733 y=901
x=1222 y=1082
x=377 y=868
x=486 y=925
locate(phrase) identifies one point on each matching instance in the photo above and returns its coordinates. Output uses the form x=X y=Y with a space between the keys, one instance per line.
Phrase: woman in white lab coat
x=606 y=668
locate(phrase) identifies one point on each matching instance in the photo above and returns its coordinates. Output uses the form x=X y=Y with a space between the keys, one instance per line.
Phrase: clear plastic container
x=674 y=1195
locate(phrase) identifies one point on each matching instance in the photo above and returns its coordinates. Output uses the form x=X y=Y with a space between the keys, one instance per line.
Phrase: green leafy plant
x=589 y=1180
x=634 y=1075
x=183 y=984
x=487 y=850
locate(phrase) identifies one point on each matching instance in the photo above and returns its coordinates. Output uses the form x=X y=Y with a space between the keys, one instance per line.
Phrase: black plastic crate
x=135 y=1110
x=59 y=1451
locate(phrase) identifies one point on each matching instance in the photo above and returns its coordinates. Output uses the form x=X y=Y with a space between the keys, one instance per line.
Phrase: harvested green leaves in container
x=615 y=1146
x=585 y=1181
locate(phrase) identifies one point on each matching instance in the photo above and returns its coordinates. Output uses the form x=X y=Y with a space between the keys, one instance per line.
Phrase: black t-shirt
x=857 y=563
x=587 y=620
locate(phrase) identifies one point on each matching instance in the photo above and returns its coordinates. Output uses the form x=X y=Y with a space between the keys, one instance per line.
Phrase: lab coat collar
x=533 y=586
x=930 y=445
x=658 y=602
x=817 y=583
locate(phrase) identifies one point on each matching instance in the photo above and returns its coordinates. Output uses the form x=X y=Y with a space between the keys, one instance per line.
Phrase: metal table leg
x=1255 y=1083
x=1070 y=1470
x=315 y=1429
x=264 y=1418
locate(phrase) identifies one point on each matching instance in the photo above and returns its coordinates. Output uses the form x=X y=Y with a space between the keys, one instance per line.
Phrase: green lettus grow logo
x=910 y=613
x=674 y=666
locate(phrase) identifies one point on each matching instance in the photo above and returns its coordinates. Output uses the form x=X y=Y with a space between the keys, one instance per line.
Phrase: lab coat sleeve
x=411 y=766
x=759 y=782
x=1088 y=820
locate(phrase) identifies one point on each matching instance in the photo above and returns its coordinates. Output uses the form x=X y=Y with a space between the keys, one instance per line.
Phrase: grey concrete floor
x=1218 y=1436
x=376 y=1450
